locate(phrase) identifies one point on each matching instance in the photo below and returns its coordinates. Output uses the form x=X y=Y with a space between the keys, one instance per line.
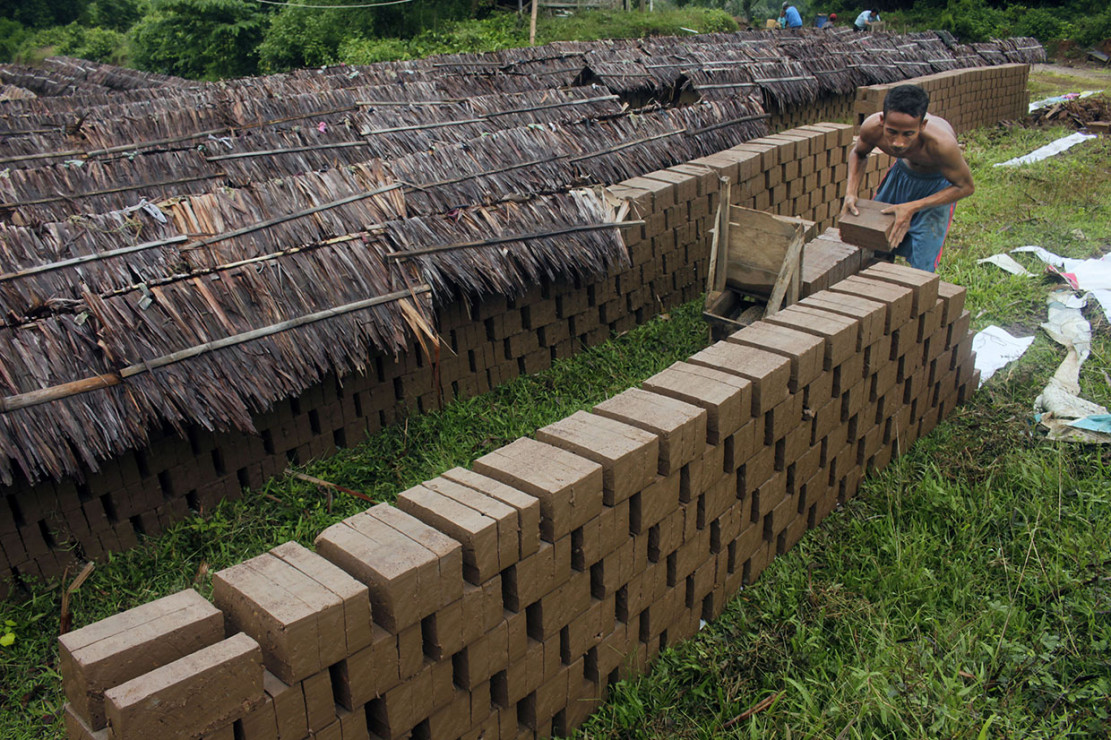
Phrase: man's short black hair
x=909 y=99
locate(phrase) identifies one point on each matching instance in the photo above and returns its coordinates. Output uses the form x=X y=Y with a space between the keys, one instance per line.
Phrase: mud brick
x=769 y=373
x=757 y=471
x=803 y=350
x=841 y=334
x=569 y=487
x=410 y=651
x=685 y=185
x=681 y=427
x=898 y=299
x=527 y=507
x=367 y=673
x=871 y=315
x=773 y=177
x=626 y=453
x=477 y=533
x=529 y=579
x=725 y=397
x=769 y=152
x=848 y=373
x=782 y=418
x=78 y=729
x=640 y=198
x=294 y=618
x=656 y=501
x=319 y=707
x=288 y=706
x=958 y=331
x=663 y=193
x=448 y=552
x=502 y=517
x=954 y=297
x=192 y=695
x=924 y=285
x=402 y=575
x=131 y=643
x=818 y=392
x=442 y=632
x=706 y=177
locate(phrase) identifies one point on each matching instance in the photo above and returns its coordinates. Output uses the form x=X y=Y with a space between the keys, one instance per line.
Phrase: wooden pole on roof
x=532 y=24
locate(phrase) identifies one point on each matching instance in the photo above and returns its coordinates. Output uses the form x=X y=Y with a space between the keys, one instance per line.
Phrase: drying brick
x=126 y=645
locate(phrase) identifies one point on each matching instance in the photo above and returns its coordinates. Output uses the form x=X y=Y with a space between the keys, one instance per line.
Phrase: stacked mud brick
x=827 y=107
x=50 y=525
x=967 y=98
x=503 y=601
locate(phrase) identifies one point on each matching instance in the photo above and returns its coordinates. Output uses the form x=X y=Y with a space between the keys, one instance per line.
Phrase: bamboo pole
x=532 y=24
x=75 y=387
x=92 y=258
x=511 y=238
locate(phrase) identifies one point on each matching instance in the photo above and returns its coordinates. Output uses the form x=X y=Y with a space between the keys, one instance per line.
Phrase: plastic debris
x=1056 y=147
x=1006 y=262
x=994 y=348
x=1091 y=275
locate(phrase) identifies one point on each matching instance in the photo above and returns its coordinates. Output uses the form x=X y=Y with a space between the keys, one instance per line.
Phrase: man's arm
x=952 y=166
x=858 y=155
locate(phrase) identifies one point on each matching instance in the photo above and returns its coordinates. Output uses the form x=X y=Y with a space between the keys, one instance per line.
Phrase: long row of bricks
x=503 y=601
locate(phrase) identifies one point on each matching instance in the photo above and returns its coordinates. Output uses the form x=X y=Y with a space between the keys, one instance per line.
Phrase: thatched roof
x=188 y=253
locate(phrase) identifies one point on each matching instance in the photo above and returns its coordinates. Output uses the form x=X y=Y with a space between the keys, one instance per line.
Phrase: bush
x=12 y=34
x=97 y=44
x=200 y=39
x=303 y=37
x=972 y=20
x=118 y=15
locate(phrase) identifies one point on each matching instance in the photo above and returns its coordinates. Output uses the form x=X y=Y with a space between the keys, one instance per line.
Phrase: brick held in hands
x=871 y=229
x=295 y=619
x=681 y=427
x=125 y=645
x=569 y=487
x=626 y=453
x=200 y=692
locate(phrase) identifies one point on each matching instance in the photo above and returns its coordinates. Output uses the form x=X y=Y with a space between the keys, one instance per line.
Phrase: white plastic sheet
x=1056 y=147
x=1092 y=275
x=994 y=348
x=1006 y=262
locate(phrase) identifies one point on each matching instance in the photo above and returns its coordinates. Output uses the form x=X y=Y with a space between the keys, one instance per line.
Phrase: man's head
x=904 y=115
x=832 y=17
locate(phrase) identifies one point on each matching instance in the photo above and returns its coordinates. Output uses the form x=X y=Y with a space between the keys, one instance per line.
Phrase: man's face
x=901 y=131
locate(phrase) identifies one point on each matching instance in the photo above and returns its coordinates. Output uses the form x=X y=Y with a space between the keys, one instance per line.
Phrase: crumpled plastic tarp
x=994 y=348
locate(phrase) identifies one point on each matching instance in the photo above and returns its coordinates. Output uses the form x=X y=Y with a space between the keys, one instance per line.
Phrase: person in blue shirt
x=865 y=19
x=790 y=16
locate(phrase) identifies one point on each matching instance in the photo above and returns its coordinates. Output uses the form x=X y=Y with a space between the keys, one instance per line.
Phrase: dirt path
x=1099 y=75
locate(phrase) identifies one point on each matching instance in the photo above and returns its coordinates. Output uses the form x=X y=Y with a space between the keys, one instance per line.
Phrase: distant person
x=790 y=16
x=831 y=21
x=928 y=178
x=865 y=19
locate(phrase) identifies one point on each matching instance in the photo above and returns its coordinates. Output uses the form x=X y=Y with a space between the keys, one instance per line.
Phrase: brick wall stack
x=967 y=98
x=828 y=107
x=503 y=601
x=49 y=526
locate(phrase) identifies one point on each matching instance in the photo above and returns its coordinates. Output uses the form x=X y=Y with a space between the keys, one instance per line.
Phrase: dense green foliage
x=222 y=38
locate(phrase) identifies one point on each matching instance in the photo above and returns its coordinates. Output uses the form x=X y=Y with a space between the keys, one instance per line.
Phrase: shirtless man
x=928 y=178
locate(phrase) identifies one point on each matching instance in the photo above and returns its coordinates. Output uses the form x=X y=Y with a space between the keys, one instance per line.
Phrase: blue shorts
x=928 y=228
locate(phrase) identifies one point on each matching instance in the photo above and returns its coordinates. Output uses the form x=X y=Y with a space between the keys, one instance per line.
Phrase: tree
x=200 y=39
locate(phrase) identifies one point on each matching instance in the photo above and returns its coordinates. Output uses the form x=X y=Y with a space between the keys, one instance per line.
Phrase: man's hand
x=850 y=206
x=903 y=212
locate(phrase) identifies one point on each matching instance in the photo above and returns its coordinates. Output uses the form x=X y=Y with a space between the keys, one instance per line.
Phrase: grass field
x=966 y=592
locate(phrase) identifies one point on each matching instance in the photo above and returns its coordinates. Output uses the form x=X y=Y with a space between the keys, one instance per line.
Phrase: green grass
x=963 y=593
